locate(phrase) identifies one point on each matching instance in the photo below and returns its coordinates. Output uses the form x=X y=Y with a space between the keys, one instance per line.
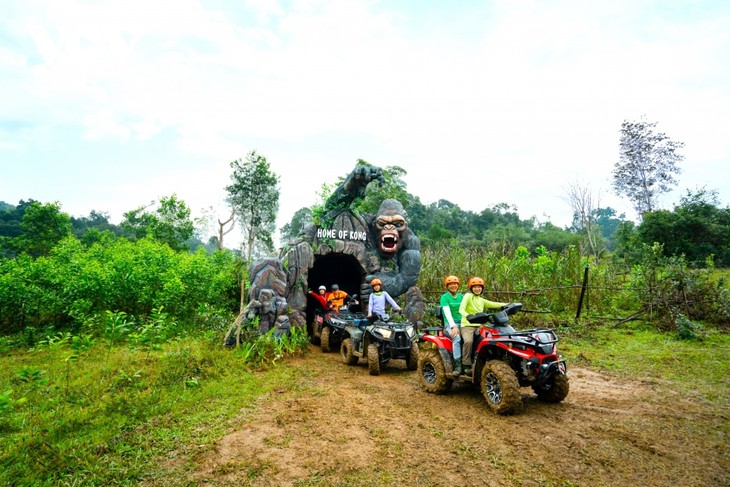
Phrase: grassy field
x=100 y=413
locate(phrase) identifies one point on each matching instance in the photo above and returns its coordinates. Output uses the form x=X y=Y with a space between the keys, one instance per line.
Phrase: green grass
x=112 y=415
x=637 y=350
x=121 y=415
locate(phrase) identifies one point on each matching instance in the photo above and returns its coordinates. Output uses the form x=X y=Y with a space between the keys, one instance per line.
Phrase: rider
x=376 y=303
x=450 y=302
x=336 y=298
x=320 y=296
x=471 y=304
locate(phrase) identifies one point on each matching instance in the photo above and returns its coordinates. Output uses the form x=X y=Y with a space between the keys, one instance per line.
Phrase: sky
x=108 y=105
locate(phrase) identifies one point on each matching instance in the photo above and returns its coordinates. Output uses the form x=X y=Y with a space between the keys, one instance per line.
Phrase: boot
x=457 y=367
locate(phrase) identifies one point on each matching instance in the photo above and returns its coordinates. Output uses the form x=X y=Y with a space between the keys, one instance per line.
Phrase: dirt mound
x=341 y=426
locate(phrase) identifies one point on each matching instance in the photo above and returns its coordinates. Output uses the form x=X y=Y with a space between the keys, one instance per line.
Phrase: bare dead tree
x=584 y=205
x=222 y=231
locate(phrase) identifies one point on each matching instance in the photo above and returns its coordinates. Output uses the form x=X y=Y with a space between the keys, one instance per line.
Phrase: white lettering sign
x=341 y=234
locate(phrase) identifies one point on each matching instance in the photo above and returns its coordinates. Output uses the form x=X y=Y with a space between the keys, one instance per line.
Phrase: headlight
x=385 y=332
x=410 y=331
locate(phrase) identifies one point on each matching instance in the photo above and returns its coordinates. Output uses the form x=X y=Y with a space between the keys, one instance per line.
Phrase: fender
x=447 y=359
x=440 y=342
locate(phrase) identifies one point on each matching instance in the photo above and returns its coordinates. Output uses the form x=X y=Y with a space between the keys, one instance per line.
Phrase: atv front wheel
x=412 y=360
x=500 y=387
x=373 y=359
x=324 y=339
x=347 y=352
x=554 y=390
x=432 y=373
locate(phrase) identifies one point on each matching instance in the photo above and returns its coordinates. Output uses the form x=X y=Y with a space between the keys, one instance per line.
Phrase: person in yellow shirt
x=472 y=303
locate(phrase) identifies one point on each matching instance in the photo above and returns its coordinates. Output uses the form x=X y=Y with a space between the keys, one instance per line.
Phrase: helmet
x=475 y=281
x=335 y=287
x=322 y=288
x=451 y=280
x=376 y=281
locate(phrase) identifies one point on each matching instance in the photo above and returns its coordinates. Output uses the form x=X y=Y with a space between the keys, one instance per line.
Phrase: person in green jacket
x=473 y=303
x=449 y=303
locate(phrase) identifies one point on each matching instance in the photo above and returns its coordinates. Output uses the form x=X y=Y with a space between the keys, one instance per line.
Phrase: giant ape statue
x=367 y=246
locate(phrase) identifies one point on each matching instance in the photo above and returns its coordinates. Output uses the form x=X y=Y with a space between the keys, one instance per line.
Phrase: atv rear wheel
x=554 y=390
x=313 y=338
x=347 y=352
x=432 y=373
x=324 y=339
x=373 y=359
x=412 y=360
x=500 y=387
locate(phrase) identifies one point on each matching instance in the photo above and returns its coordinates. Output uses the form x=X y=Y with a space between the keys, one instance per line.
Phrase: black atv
x=379 y=342
x=332 y=328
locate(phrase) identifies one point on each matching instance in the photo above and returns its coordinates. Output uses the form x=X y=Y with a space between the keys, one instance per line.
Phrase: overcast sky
x=109 y=105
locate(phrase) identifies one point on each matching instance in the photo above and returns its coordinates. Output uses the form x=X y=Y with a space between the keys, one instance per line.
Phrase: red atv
x=504 y=360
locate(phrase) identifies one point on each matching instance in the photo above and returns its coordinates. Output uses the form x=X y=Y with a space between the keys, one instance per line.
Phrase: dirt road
x=341 y=426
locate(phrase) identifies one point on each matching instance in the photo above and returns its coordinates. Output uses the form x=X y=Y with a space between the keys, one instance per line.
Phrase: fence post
x=582 y=293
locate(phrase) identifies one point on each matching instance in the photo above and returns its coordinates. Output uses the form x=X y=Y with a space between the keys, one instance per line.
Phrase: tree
x=301 y=218
x=254 y=196
x=42 y=226
x=96 y=221
x=170 y=223
x=647 y=164
x=697 y=228
x=584 y=205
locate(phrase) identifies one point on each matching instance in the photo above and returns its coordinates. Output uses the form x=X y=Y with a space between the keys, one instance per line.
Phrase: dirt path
x=341 y=426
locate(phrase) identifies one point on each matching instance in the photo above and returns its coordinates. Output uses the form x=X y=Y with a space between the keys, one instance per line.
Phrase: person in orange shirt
x=336 y=298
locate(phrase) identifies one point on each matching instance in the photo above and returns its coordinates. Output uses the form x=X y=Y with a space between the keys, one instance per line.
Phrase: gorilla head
x=390 y=226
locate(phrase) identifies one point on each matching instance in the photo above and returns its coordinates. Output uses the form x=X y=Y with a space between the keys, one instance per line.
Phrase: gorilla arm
x=354 y=186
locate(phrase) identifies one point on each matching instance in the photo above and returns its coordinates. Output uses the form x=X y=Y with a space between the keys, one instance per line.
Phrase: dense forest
x=60 y=270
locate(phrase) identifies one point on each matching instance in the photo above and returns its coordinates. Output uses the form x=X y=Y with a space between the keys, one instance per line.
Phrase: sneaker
x=457 y=370
x=467 y=369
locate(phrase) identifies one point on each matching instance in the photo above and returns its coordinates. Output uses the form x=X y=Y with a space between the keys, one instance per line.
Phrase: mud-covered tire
x=373 y=359
x=554 y=390
x=313 y=339
x=347 y=351
x=412 y=360
x=500 y=387
x=324 y=339
x=432 y=373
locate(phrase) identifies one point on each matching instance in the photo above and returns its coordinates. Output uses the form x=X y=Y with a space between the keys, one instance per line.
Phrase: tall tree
x=254 y=196
x=647 y=164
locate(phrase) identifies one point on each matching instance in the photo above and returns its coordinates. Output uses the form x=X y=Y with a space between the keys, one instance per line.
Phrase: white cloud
x=499 y=102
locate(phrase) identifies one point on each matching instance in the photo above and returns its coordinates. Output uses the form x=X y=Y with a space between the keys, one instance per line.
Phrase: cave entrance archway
x=333 y=268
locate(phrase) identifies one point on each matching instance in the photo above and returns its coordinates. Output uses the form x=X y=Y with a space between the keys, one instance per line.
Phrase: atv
x=504 y=360
x=333 y=324
x=326 y=325
x=380 y=341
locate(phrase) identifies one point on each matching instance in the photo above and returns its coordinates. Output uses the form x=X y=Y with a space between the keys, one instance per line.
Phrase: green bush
x=74 y=283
